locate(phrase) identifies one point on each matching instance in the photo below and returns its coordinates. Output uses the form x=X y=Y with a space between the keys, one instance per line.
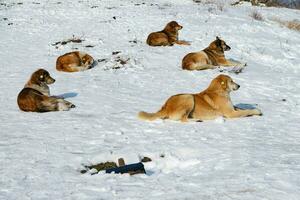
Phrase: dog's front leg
x=203 y=67
x=242 y=113
x=234 y=63
x=182 y=42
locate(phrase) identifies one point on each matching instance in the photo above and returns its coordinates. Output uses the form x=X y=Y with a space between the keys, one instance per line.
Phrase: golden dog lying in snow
x=167 y=37
x=209 y=104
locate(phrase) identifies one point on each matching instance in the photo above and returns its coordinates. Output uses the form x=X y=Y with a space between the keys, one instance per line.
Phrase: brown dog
x=211 y=103
x=166 y=37
x=74 y=62
x=209 y=58
x=35 y=96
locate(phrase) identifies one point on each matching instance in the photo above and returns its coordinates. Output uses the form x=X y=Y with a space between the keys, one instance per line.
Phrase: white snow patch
x=250 y=158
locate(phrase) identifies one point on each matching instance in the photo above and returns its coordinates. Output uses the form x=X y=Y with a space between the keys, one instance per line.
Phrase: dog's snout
x=50 y=80
x=235 y=86
x=228 y=47
x=73 y=106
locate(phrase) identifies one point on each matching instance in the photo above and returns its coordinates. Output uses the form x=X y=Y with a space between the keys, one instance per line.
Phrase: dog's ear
x=39 y=75
x=218 y=42
x=173 y=24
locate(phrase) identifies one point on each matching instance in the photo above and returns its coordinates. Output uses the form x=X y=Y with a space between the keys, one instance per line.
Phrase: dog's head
x=219 y=45
x=224 y=83
x=41 y=76
x=173 y=26
x=87 y=59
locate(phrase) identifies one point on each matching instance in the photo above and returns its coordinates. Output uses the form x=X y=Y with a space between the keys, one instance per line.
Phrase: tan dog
x=211 y=103
x=209 y=58
x=166 y=37
x=35 y=96
x=74 y=62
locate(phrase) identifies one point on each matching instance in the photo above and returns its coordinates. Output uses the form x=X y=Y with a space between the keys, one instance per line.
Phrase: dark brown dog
x=35 y=96
x=209 y=58
x=166 y=37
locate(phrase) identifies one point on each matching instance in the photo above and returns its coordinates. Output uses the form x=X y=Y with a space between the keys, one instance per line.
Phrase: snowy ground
x=251 y=158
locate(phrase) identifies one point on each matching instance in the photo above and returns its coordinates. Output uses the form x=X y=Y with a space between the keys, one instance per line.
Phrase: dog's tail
x=150 y=116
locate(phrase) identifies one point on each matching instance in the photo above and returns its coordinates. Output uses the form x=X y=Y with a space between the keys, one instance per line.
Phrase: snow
x=248 y=158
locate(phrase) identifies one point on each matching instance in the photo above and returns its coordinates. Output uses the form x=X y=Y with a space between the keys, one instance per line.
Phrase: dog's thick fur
x=74 y=62
x=209 y=58
x=35 y=96
x=167 y=37
x=209 y=104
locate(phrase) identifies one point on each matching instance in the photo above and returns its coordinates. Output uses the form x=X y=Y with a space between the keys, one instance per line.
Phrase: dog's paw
x=237 y=69
x=70 y=105
x=183 y=42
x=241 y=65
x=64 y=105
x=257 y=111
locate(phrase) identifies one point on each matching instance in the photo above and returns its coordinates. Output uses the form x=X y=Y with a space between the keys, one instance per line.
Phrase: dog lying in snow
x=35 y=96
x=209 y=104
x=209 y=58
x=74 y=62
x=167 y=37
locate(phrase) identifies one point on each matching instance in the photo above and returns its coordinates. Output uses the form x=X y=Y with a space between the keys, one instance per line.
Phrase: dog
x=74 y=62
x=209 y=104
x=167 y=37
x=35 y=96
x=209 y=58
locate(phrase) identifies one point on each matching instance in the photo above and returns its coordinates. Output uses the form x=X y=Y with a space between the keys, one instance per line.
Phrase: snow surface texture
x=249 y=158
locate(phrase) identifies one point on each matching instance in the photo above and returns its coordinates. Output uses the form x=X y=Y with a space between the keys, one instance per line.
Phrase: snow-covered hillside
x=41 y=155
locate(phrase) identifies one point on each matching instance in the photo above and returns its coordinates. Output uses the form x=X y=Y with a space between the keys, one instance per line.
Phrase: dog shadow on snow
x=68 y=95
x=244 y=106
x=95 y=63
